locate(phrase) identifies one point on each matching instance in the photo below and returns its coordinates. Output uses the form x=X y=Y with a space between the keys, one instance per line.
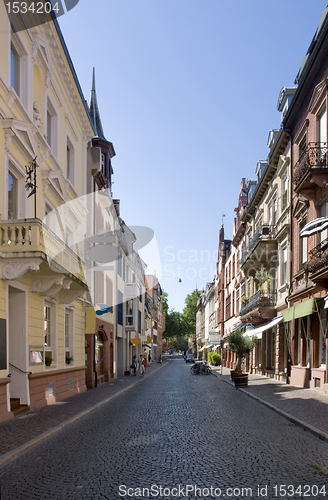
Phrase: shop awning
x=300 y=310
x=258 y=331
x=208 y=346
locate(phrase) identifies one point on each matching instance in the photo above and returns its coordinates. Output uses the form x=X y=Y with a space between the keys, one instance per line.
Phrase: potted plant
x=48 y=360
x=262 y=276
x=241 y=344
x=69 y=359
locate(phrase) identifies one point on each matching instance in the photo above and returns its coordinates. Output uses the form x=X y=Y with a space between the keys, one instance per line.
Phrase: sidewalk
x=23 y=432
x=307 y=408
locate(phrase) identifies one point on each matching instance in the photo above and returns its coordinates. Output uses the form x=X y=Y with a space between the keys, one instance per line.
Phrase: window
x=12 y=196
x=49 y=128
x=14 y=69
x=109 y=291
x=228 y=308
x=69 y=331
x=99 y=287
x=272 y=212
x=237 y=301
x=129 y=313
x=139 y=321
x=51 y=132
x=322 y=126
x=284 y=193
x=103 y=163
x=47 y=325
x=284 y=266
x=302 y=146
x=119 y=308
x=69 y=161
x=302 y=249
x=119 y=264
x=299 y=341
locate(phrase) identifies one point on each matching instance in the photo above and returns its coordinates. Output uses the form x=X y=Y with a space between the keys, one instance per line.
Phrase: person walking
x=134 y=365
x=142 y=365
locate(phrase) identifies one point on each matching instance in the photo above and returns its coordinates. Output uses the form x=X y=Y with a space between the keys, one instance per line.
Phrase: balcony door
x=323 y=126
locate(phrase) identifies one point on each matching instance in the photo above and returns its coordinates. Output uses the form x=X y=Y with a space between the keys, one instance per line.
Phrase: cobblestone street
x=173 y=430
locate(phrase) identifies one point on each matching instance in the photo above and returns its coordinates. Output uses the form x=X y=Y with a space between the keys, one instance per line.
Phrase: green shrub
x=214 y=358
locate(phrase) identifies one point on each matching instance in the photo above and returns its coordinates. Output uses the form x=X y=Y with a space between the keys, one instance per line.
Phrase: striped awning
x=314 y=227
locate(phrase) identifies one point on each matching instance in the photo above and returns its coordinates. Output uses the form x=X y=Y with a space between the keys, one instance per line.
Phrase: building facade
x=44 y=133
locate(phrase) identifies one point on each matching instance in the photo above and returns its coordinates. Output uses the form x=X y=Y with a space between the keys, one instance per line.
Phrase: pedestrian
x=142 y=365
x=149 y=358
x=134 y=365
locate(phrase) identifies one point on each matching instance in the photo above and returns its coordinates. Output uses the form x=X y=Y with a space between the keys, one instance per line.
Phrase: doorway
x=18 y=346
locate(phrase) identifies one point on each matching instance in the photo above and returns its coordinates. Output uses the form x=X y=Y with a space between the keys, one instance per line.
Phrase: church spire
x=94 y=110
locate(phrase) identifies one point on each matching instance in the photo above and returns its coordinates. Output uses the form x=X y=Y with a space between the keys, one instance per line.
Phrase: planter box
x=241 y=380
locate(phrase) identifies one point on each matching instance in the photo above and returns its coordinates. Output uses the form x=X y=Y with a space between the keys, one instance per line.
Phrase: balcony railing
x=19 y=237
x=259 y=299
x=319 y=257
x=265 y=231
x=315 y=156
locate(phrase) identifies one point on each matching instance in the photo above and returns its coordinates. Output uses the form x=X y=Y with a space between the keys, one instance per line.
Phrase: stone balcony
x=29 y=245
x=311 y=170
x=259 y=307
x=261 y=249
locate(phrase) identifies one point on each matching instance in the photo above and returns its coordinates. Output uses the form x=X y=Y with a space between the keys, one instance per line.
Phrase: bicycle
x=200 y=369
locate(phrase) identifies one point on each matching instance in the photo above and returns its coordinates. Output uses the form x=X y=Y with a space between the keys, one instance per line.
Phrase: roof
x=94 y=110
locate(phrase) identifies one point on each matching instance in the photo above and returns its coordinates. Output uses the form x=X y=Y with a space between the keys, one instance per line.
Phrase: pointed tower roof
x=94 y=110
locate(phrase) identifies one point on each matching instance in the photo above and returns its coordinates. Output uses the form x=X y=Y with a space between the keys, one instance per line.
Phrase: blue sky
x=187 y=91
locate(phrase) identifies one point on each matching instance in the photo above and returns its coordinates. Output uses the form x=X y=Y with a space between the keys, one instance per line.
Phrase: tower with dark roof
x=103 y=178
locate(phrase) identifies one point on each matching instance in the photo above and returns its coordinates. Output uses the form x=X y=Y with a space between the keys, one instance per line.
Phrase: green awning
x=300 y=310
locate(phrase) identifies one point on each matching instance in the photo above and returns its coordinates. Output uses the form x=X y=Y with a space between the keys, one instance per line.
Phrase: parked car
x=190 y=358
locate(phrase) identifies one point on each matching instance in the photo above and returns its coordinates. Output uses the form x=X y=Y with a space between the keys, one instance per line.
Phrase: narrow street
x=173 y=430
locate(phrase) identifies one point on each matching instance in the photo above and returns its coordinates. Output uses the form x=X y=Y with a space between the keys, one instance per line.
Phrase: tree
x=189 y=313
x=165 y=306
x=173 y=326
x=240 y=344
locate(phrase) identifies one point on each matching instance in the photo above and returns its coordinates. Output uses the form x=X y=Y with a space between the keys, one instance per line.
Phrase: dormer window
x=103 y=164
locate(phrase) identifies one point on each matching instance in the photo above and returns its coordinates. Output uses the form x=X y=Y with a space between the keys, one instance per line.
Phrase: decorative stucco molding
x=15 y=270
x=69 y=296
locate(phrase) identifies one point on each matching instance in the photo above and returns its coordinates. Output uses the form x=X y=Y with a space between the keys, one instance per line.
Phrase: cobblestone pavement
x=170 y=431
x=20 y=430
x=310 y=406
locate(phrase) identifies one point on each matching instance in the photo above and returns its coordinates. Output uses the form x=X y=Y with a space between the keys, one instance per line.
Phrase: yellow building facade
x=44 y=126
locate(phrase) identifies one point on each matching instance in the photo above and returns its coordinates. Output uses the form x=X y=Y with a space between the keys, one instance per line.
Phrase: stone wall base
x=50 y=387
